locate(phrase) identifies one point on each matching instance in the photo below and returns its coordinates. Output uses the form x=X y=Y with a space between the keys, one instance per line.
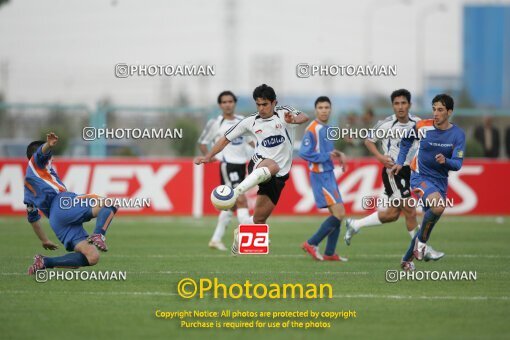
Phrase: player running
x=396 y=187
x=319 y=151
x=45 y=191
x=233 y=162
x=441 y=150
x=273 y=128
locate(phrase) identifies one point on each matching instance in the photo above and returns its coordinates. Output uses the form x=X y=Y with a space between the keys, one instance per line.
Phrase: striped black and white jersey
x=391 y=144
x=239 y=151
x=275 y=137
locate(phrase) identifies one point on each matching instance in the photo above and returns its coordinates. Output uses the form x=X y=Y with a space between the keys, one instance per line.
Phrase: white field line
x=163 y=272
x=341 y=296
x=473 y=256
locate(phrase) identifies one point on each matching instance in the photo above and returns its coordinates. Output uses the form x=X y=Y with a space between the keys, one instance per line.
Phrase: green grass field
x=158 y=252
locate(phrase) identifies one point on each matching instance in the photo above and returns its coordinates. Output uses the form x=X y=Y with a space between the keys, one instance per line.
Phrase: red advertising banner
x=178 y=187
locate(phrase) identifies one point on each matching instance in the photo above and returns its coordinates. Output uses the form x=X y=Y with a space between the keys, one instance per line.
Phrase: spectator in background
x=488 y=137
x=368 y=118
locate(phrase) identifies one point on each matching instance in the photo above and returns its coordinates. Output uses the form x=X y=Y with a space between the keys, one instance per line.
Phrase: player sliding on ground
x=396 y=187
x=273 y=128
x=66 y=211
x=441 y=150
x=233 y=162
x=319 y=151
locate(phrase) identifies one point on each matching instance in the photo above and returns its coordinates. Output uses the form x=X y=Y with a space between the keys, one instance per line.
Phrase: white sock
x=257 y=176
x=369 y=221
x=224 y=219
x=243 y=216
x=413 y=232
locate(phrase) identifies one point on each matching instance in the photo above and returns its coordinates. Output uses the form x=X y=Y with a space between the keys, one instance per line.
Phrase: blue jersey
x=450 y=143
x=42 y=184
x=316 y=147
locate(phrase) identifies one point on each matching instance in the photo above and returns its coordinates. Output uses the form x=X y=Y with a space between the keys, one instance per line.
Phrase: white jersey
x=275 y=137
x=239 y=151
x=391 y=146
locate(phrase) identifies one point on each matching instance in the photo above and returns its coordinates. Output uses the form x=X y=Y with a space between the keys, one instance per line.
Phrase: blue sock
x=104 y=218
x=429 y=221
x=326 y=227
x=67 y=260
x=332 y=241
x=409 y=252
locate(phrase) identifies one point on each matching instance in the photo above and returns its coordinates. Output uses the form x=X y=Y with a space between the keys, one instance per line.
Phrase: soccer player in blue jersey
x=45 y=191
x=319 y=151
x=441 y=150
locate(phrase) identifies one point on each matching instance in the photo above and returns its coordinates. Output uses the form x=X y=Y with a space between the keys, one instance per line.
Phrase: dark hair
x=444 y=99
x=32 y=147
x=265 y=92
x=227 y=93
x=401 y=92
x=322 y=99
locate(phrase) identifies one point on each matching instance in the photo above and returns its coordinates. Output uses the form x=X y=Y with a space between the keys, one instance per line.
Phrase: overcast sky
x=65 y=51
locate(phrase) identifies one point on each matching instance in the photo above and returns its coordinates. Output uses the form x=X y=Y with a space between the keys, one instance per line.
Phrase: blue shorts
x=67 y=220
x=325 y=189
x=424 y=185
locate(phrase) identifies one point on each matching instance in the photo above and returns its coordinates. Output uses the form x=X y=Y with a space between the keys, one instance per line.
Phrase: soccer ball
x=222 y=197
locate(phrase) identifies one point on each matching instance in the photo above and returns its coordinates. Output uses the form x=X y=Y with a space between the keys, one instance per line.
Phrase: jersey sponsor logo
x=278 y=126
x=258 y=131
x=306 y=141
x=272 y=141
x=237 y=141
x=441 y=145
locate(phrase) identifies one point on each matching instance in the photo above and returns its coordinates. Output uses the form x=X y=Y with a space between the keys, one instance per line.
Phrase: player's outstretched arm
x=292 y=118
x=46 y=243
x=51 y=141
x=209 y=157
x=203 y=149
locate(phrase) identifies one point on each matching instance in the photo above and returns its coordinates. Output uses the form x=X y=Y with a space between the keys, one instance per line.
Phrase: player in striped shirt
x=396 y=187
x=233 y=162
x=65 y=210
x=440 y=151
x=319 y=151
x=273 y=127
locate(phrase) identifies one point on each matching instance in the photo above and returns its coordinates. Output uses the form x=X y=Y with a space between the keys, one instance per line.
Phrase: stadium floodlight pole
x=420 y=42
x=369 y=28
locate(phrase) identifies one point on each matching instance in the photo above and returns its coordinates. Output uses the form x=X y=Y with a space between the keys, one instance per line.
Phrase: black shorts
x=272 y=188
x=232 y=174
x=397 y=186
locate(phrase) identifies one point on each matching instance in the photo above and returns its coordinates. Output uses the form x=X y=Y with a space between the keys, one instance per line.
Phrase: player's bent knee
x=394 y=216
x=339 y=215
x=92 y=258
x=437 y=210
x=271 y=165
x=91 y=253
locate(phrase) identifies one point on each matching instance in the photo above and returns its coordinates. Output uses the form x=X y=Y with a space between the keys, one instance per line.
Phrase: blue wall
x=486 y=67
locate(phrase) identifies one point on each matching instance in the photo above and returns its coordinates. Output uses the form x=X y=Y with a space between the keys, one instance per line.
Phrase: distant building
x=486 y=66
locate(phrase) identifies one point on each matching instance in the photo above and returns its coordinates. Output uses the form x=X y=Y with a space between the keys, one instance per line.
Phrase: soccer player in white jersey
x=396 y=187
x=273 y=128
x=233 y=162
